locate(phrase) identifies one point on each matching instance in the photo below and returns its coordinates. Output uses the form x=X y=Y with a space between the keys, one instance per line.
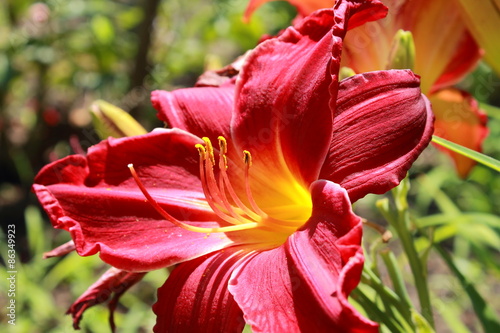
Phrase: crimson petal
x=98 y=202
x=302 y=286
x=383 y=123
x=287 y=90
x=202 y=111
x=280 y=104
x=60 y=250
x=195 y=297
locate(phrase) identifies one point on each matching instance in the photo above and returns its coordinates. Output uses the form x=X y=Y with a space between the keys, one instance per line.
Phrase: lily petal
x=459 y=119
x=111 y=284
x=483 y=20
x=441 y=39
x=462 y=62
x=202 y=111
x=284 y=108
x=60 y=250
x=383 y=123
x=195 y=297
x=302 y=286
x=95 y=195
x=284 y=113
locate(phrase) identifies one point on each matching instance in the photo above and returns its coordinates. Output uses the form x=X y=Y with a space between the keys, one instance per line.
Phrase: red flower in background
x=260 y=224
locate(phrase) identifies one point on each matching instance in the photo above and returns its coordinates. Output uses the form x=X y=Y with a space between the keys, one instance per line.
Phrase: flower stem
x=397 y=280
x=389 y=299
x=399 y=219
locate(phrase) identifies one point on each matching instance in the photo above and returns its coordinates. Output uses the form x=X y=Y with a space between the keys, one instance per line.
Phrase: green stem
x=389 y=298
x=419 y=272
x=400 y=220
x=397 y=280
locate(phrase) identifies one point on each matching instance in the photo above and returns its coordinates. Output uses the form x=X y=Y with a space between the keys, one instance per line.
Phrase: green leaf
x=472 y=154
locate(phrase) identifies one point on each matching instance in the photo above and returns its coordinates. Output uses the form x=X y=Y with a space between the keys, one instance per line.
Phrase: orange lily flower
x=445 y=52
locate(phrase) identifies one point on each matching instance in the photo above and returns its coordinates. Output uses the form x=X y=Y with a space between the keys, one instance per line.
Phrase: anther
x=222 y=144
x=210 y=149
x=201 y=150
x=247 y=158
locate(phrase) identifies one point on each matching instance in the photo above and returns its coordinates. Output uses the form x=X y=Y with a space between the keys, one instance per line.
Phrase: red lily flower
x=269 y=239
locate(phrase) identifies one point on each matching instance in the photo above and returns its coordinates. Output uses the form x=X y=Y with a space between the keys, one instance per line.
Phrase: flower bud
x=402 y=55
x=110 y=120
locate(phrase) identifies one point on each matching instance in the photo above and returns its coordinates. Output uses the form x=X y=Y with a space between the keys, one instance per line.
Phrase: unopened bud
x=110 y=120
x=402 y=55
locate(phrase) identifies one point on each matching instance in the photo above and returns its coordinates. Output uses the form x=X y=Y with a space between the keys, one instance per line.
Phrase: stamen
x=222 y=144
x=178 y=223
x=209 y=190
x=210 y=149
x=215 y=194
x=223 y=174
x=224 y=182
x=202 y=151
x=247 y=158
x=212 y=192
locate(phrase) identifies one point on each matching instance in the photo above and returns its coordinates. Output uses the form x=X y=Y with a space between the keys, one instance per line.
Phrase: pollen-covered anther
x=222 y=144
x=247 y=158
x=210 y=149
x=202 y=151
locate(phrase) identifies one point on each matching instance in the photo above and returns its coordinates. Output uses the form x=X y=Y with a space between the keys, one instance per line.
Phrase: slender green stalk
x=472 y=154
x=389 y=298
x=399 y=219
x=418 y=270
x=397 y=280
